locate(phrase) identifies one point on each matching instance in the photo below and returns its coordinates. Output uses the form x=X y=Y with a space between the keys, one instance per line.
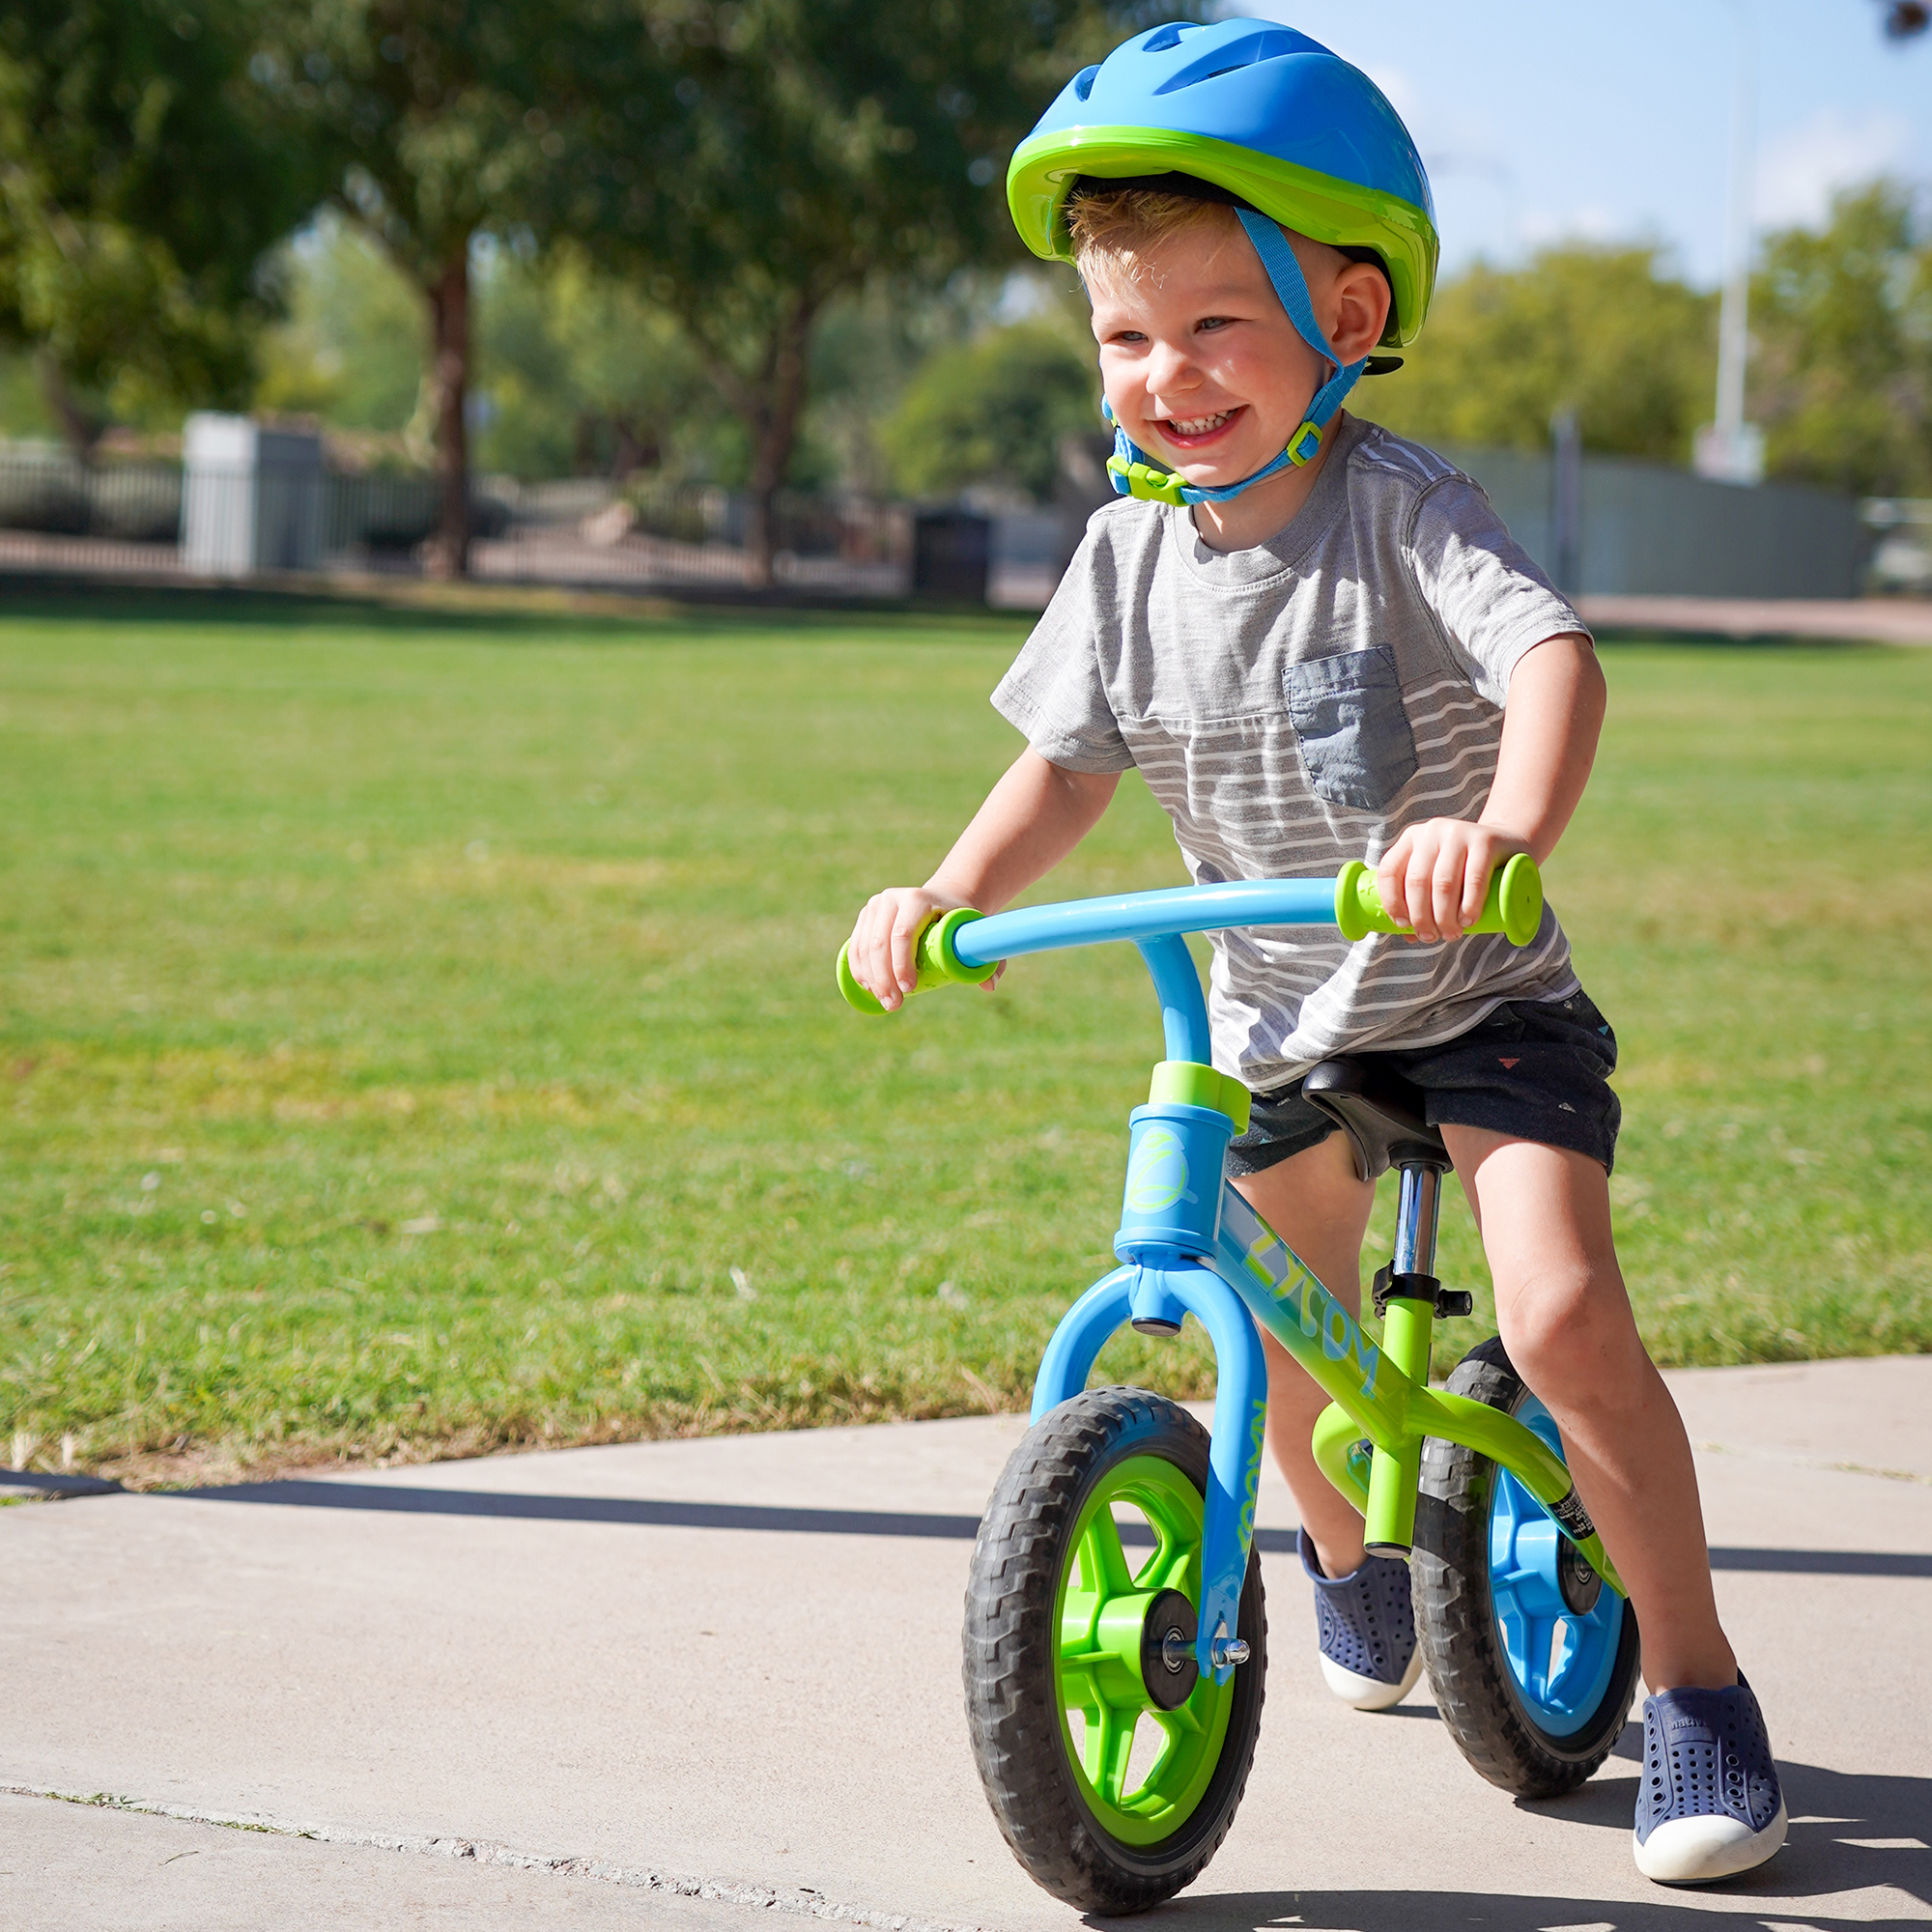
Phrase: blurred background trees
x=749 y=243
x=1842 y=379
x=811 y=150
x=1608 y=332
x=139 y=194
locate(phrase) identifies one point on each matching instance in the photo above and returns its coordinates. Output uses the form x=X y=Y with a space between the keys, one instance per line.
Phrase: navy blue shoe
x=1367 y=1623
x=1709 y=1805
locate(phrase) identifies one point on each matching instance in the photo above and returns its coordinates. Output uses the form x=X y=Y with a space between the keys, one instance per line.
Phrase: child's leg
x=1313 y=1202
x=1544 y=1215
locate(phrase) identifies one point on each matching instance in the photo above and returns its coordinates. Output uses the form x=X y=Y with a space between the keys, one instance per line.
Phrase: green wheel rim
x=1099 y=1612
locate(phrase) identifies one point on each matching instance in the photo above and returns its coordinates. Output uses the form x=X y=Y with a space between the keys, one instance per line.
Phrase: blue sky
x=1555 y=119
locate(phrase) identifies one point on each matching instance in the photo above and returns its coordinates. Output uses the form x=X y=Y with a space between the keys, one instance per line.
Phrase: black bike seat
x=1382 y=1113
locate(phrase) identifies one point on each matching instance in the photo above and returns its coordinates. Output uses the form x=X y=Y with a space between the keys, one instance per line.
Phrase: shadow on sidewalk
x=1851 y=1832
x=755 y=1517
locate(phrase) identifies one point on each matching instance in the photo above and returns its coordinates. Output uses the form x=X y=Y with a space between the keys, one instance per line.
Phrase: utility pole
x=1731 y=450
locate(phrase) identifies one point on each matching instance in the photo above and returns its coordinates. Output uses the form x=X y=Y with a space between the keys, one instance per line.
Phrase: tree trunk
x=771 y=414
x=447 y=552
x=81 y=427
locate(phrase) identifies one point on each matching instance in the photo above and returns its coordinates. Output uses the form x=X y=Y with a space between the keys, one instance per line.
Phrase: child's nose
x=1171 y=367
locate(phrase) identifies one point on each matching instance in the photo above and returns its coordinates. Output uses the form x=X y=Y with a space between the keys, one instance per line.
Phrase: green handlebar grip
x=1513 y=905
x=933 y=954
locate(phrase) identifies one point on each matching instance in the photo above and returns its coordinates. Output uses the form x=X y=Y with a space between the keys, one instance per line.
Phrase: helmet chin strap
x=1133 y=475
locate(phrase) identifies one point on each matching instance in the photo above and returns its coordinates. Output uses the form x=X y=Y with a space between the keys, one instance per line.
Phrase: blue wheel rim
x=1560 y=1661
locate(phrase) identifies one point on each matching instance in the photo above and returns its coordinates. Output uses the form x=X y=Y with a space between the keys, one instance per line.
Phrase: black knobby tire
x=1456 y=1620
x=1024 y=1548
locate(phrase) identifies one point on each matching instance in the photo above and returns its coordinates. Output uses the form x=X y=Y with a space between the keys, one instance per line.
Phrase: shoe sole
x=1697 y=1851
x=1369 y=1693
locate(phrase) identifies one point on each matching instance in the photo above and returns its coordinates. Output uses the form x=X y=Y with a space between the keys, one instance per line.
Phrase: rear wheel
x=1532 y=1656
x=1113 y=1767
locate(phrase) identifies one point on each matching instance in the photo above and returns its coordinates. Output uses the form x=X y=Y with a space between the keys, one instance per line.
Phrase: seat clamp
x=1445 y=1301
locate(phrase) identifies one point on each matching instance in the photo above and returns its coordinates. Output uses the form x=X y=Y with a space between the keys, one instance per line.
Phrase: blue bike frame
x=1202 y=1250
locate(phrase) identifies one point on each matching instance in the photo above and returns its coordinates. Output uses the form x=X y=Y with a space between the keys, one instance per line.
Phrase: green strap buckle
x=1149 y=484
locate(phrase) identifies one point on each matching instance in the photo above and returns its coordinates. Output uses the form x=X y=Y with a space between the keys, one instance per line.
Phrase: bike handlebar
x=965 y=947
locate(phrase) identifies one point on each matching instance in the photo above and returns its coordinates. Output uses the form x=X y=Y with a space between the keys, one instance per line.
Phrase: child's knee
x=1570 y=1333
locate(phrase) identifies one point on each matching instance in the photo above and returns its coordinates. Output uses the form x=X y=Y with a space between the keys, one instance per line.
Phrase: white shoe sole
x=1369 y=1693
x=1695 y=1850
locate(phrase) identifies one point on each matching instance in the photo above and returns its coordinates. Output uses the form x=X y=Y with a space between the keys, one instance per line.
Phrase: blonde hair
x=1113 y=235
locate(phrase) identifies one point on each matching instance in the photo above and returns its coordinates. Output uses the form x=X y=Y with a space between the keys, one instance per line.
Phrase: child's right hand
x=880 y=951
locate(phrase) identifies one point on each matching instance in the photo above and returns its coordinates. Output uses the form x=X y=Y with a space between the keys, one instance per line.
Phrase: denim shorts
x=1534 y=1070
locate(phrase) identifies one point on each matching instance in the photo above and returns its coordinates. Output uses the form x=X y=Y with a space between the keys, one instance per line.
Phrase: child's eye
x=1129 y=335
x=1209 y=322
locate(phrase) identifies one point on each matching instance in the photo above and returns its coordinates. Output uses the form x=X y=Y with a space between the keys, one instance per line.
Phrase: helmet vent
x=1231 y=56
x=1163 y=39
x=1082 y=83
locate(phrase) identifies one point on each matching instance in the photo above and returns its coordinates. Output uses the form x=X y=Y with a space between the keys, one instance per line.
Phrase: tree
x=1841 y=370
x=814 y=148
x=351 y=347
x=436 y=119
x=1604 y=331
x=584 y=377
x=137 y=196
x=993 y=411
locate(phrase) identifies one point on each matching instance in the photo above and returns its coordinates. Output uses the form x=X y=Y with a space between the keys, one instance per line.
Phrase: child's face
x=1201 y=364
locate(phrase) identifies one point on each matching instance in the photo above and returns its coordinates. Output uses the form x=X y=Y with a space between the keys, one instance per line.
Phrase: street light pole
x=1731 y=450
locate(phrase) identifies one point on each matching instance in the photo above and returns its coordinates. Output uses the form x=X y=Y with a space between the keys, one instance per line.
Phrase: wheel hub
x=1168 y=1666
x=1580 y=1585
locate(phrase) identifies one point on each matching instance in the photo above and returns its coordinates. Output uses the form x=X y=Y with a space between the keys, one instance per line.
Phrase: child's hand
x=880 y=951
x=1435 y=876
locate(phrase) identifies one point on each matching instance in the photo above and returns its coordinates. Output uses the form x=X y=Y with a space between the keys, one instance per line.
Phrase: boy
x=1316 y=639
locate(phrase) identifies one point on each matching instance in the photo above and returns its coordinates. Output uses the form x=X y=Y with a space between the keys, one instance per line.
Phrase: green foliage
x=992 y=411
x=811 y=150
x=424 y=115
x=137 y=194
x=581 y=374
x=410 y=1022
x=1841 y=322
x=1602 y=330
x=351 y=348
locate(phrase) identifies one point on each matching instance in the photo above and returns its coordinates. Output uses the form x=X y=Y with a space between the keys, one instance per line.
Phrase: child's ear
x=1362 y=310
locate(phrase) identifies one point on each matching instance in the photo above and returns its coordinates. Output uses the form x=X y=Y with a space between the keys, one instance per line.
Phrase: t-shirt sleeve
x=1491 y=600
x=1055 y=692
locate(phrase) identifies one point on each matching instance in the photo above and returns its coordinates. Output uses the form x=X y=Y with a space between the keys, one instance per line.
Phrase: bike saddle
x=1381 y=1113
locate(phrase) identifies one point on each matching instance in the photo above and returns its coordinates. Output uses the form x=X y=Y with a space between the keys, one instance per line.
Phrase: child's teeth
x=1201 y=425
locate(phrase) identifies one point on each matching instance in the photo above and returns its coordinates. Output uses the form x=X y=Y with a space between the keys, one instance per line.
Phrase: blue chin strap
x=1133 y=475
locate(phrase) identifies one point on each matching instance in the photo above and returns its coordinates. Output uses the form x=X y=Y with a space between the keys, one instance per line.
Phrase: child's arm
x=1434 y=876
x=1030 y=821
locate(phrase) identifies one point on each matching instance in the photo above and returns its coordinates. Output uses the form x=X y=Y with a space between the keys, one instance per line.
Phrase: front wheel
x=1532 y=1656
x=1113 y=1768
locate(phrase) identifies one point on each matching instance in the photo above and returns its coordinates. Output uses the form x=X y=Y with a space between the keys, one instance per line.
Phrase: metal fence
x=249 y=517
x=1619 y=528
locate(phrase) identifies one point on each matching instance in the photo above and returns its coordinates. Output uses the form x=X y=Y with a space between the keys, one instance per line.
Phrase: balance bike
x=1115 y=1640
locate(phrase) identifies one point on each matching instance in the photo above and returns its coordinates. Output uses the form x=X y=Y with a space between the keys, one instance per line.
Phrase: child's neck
x=1257 y=514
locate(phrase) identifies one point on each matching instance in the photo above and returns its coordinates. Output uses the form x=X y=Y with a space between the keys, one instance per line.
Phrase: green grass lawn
x=419 y=1034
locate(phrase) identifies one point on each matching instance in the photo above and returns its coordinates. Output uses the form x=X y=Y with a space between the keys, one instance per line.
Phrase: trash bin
x=252 y=497
x=952 y=553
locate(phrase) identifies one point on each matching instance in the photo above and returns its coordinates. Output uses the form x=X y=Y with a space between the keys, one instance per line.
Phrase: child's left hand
x=1435 y=876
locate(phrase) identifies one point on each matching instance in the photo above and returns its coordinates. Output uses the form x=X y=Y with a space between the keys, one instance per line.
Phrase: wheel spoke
x=1104 y=1571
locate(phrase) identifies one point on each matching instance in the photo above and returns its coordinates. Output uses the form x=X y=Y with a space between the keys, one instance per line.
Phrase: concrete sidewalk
x=669 y=1682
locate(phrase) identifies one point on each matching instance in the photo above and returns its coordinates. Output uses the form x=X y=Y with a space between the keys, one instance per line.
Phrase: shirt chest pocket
x=1354 y=734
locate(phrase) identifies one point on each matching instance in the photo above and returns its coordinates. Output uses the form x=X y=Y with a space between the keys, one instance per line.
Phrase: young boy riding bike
x=1314 y=639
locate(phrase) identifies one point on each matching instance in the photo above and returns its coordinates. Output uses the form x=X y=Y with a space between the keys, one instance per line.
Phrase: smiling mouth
x=1192 y=430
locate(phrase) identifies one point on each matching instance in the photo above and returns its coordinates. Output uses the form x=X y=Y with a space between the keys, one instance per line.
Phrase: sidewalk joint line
x=802 y=1900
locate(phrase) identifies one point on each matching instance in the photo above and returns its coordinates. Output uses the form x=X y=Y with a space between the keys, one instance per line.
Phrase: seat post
x=1418 y=1207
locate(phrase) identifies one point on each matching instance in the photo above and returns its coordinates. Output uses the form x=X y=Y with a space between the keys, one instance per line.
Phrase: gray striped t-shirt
x=1295 y=705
